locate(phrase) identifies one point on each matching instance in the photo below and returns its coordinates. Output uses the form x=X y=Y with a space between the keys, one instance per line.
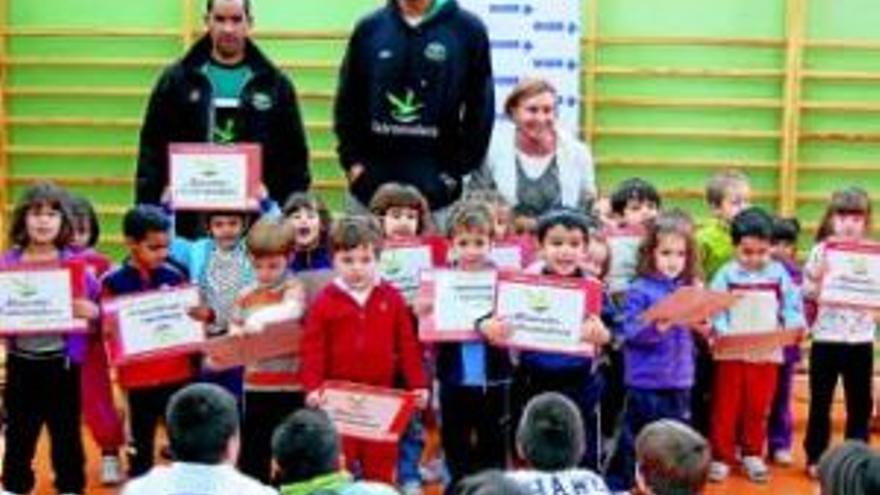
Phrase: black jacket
x=181 y=109
x=415 y=104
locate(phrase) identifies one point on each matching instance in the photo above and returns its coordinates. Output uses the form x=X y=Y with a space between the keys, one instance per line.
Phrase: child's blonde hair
x=269 y=238
x=471 y=215
x=720 y=183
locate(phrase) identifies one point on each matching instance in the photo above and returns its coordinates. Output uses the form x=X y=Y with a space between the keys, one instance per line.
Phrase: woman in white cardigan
x=533 y=162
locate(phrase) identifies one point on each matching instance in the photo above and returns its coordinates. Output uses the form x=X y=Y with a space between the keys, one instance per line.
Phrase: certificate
x=754 y=325
x=214 y=177
x=38 y=299
x=367 y=413
x=459 y=299
x=624 y=247
x=275 y=340
x=401 y=262
x=689 y=306
x=547 y=313
x=853 y=275
x=152 y=324
x=507 y=255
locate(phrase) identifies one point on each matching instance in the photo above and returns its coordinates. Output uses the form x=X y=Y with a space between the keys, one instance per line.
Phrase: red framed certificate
x=152 y=324
x=401 y=262
x=37 y=299
x=757 y=342
x=754 y=323
x=852 y=278
x=508 y=255
x=205 y=176
x=459 y=299
x=689 y=306
x=367 y=413
x=276 y=340
x=624 y=245
x=547 y=313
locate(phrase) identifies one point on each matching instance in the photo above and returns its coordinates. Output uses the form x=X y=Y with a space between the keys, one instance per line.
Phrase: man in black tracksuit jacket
x=182 y=109
x=415 y=102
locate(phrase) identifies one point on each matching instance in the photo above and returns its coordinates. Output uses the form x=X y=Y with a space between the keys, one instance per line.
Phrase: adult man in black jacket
x=224 y=90
x=415 y=102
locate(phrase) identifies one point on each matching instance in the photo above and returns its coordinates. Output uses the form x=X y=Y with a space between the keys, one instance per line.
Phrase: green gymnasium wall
x=787 y=90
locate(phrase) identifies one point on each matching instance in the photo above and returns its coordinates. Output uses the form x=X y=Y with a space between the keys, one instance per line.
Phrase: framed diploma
x=153 y=324
x=37 y=299
x=204 y=176
x=547 y=313
x=624 y=245
x=754 y=325
x=689 y=306
x=276 y=340
x=508 y=255
x=853 y=275
x=458 y=299
x=367 y=413
x=401 y=262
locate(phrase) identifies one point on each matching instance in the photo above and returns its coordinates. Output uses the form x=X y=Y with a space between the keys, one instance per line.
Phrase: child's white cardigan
x=576 y=168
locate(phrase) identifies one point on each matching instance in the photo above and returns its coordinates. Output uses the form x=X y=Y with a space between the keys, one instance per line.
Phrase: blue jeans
x=409 y=456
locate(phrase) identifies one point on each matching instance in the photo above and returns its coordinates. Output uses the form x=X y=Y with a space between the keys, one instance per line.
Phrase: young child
x=563 y=236
x=843 y=338
x=658 y=357
x=359 y=330
x=727 y=193
x=550 y=438
x=271 y=387
x=310 y=220
x=474 y=377
x=672 y=459
x=781 y=423
x=43 y=372
x=504 y=234
x=634 y=203
x=99 y=408
x=149 y=383
x=745 y=380
x=402 y=211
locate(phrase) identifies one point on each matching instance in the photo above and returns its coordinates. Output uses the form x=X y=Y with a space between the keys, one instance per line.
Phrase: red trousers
x=741 y=399
x=376 y=461
x=99 y=409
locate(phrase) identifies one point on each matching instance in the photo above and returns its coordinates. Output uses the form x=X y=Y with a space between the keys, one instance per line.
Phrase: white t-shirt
x=181 y=478
x=569 y=482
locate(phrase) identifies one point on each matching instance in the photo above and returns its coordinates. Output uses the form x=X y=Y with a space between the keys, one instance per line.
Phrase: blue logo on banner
x=510 y=8
x=554 y=63
x=506 y=80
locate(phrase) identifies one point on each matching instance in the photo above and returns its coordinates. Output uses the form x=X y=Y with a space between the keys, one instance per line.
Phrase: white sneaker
x=718 y=471
x=111 y=470
x=756 y=469
x=783 y=458
x=411 y=488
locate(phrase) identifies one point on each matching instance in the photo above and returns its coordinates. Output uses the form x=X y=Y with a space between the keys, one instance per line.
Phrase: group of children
x=357 y=327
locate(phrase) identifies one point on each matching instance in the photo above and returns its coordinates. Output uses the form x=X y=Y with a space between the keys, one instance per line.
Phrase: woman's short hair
x=526 y=88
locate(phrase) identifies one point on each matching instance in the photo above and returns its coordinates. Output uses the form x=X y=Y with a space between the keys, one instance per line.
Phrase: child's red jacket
x=370 y=344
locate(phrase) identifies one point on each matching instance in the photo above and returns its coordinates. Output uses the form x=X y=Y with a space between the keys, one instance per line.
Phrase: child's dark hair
x=671 y=222
x=524 y=219
x=568 y=218
x=720 y=183
x=488 y=482
x=140 y=220
x=672 y=458
x=306 y=200
x=852 y=200
x=201 y=418
x=550 y=434
x=397 y=195
x=470 y=215
x=83 y=212
x=42 y=193
x=269 y=237
x=633 y=189
x=851 y=468
x=752 y=222
x=353 y=231
x=786 y=230
x=305 y=445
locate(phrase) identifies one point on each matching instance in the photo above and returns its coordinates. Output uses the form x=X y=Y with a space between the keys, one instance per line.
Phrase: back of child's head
x=305 y=446
x=673 y=222
x=471 y=216
x=202 y=418
x=851 y=200
x=353 y=231
x=851 y=468
x=786 y=229
x=489 y=482
x=633 y=190
x=564 y=217
x=752 y=222
x=672 y=458
x=551 y=433
x=42 y=194
x=269 y=237
x=141 y=220
x=397 y=195
x=303 y=200
x=720 y=184
x=85 y=218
